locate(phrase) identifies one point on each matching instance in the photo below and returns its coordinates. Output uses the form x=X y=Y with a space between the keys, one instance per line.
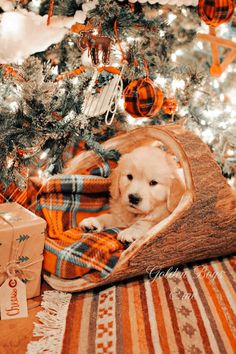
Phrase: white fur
x=144 y=164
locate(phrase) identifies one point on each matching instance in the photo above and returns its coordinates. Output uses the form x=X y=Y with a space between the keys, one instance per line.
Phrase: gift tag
x=13 y=299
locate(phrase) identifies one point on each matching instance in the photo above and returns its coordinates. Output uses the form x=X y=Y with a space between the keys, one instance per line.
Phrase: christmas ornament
x=169 y=106
x=104 y=93
x=96 y=44
x=10 y=71
x=28 y=152
x=219 y=66
x=79 y=27
x=142 y=98
x=215 y=12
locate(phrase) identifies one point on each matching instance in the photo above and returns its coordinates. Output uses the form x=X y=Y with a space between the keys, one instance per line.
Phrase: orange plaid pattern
x=215 y=12
x=142 y=98
x=63 y=202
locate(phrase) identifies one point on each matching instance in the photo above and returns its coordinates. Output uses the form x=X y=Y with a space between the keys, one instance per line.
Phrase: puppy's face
x=142 y=179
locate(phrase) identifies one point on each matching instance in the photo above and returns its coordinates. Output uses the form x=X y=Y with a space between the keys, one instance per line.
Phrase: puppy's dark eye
x=130 y=177
x=153 y=183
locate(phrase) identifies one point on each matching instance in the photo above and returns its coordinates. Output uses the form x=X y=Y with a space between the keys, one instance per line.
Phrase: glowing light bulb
x=216 y=84
x=173 y=57
x=207 y=136
x=222 y=97
x=178 y=84
x=200 y=45
x=230 y=152
x=171 y=17
x=162 y=33
x=160 y=80
x=36 y=3
x=130 y=39
x=9 y=162
x=222 y=125
x=54 y=70
x=136 y=122
x=228 y=109
x=179 y=52
x=44 y=154
x=13 y=106
x=121 y=103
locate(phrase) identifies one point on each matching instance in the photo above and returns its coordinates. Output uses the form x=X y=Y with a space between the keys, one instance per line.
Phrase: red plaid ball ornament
x=142 y=98
x=215 y=12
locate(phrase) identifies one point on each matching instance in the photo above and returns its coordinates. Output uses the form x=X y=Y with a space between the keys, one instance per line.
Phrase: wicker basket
x=202 y=226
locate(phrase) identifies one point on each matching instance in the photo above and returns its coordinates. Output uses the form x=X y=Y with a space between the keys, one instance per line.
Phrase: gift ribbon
x=13 y=269
x=13 y=266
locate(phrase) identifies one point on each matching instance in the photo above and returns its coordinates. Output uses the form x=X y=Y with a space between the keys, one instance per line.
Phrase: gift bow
x=13 y=268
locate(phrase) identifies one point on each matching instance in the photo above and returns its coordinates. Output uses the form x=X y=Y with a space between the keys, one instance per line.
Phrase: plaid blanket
x=64 y=201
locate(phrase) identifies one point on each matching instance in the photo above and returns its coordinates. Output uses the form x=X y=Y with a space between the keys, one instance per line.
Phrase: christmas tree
x=58 y=56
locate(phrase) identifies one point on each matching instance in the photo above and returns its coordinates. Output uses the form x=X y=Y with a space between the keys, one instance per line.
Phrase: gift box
x=22 y=236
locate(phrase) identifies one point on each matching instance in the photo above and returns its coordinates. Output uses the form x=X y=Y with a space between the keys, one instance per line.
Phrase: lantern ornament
x=142 y=98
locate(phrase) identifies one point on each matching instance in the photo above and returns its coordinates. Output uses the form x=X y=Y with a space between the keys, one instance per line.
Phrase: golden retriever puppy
x=145 y=189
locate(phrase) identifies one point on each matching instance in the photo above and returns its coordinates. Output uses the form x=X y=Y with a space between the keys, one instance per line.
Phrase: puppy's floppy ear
x=175 y=193
x=115 y=178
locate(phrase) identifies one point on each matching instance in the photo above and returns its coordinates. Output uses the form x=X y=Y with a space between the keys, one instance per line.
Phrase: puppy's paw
x=90 y=224
x=128 y=235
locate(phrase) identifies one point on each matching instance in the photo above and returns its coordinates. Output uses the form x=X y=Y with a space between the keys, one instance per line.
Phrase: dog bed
x=202 y=226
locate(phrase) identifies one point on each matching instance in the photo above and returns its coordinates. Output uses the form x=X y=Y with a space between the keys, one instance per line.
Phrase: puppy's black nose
x=134 y=199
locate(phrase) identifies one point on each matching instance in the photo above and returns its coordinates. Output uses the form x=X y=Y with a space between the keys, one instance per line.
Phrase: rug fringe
x=52 y=323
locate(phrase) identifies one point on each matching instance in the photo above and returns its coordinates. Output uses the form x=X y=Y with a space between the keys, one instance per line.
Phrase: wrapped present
x=22 y=236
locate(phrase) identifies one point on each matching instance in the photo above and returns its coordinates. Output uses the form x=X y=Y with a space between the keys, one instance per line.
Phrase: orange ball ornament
x=215 y=12
x=142 y=98
x=169 y=106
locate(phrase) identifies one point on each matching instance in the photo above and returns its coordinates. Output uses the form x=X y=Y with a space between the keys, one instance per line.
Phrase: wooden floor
x=16 y=334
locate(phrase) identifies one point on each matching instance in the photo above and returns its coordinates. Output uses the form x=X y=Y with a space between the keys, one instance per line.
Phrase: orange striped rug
x=192 y=310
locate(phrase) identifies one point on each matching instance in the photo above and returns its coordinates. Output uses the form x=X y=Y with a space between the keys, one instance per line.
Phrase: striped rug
x=189 y=310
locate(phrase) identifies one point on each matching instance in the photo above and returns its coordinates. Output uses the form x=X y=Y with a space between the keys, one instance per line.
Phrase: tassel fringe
x=52 y=324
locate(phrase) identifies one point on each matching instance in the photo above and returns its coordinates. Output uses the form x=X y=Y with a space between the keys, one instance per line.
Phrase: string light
x=160 y=80
x=171 y=17
x=9 y=162
x=222 y=125
x=136 y=122
x=222 y=97
x=184 y=12
x=13 y=106
x=178 y=84
x=200 y=45
x=230 y=152
x=162 y=33
x=54 y=70
x=121 y=104
x=130 y=39
x=208 y=136
x=44 y=154
x=40 y=173
x=216 y=84
x=173 y=57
